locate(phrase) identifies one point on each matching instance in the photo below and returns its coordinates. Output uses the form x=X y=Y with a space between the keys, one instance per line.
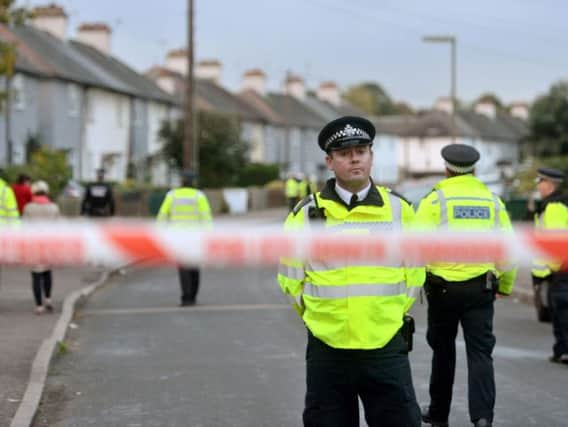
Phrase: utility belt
x=486 y=282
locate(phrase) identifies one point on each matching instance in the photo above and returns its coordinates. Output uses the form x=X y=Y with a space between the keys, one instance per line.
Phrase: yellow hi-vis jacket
x=553 y=217
x=8 y=206
x=464 y=203
x=307 y=187
x=187 y=207
x=351 y=305
x=292 y=188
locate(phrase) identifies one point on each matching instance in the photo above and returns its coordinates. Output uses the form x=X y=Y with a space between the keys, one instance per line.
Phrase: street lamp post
x=452 y=41
x=190 y=149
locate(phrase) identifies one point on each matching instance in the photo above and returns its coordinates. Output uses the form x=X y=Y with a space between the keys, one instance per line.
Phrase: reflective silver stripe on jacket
x=184 y=201
x=443 y=200
x=362 y=290
x=497 y=210
x=295 y=273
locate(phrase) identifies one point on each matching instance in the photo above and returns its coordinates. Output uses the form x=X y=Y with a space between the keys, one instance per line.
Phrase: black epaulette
x=306 y=200
x=397 y=194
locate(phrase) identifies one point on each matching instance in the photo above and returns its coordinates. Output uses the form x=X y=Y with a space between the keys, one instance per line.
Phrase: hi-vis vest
x=465 y=203
x=554 y=217
x=350 y=305
x=8 y=206
x=292 y=188
x=185 y=207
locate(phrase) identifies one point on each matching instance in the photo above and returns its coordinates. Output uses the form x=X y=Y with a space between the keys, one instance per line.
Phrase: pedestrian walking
x=98 y=200
x=41 y=208
x=463 y=293
x=187 y=207
x=22 y=191
x=552 y=214
x=353 y=313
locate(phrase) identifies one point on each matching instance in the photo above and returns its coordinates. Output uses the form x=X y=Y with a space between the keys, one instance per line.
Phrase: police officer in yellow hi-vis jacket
x=463 y=293
x=553 y=215
x=186 y=207
x=353 y=311
x=8 y=206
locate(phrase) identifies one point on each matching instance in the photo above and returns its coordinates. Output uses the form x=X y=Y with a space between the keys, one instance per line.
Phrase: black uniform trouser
x=189 y=282
x=558 y=303
x=381 y=378
x=470 y=304
x=41 y=286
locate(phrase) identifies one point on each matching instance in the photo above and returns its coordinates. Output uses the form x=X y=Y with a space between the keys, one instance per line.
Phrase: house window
x=19 y=99
x=73 y=100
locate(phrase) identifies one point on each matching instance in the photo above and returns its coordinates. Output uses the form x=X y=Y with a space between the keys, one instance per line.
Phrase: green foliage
x=257 y=174
x=10 y=15
x=549 y=122
x=373 y=99
x=222 y=153
x=47 y=164
x=492 y=98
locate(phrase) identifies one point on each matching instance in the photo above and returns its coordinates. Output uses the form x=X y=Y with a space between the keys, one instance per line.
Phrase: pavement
x=28 y=342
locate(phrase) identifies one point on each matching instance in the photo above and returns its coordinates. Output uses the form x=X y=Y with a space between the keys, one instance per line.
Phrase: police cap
x=460 y=158
x=551 y=174
x=348 y=131
x=188 y=174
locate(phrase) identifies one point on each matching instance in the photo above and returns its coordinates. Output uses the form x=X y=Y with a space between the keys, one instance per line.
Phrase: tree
x=548 y=122
x=370 y=98
x=10 y=15
x=222 y=152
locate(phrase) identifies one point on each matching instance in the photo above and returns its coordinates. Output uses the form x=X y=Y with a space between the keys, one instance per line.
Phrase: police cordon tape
x=72 y=243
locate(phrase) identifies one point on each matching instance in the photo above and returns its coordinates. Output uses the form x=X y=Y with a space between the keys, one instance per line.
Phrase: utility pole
x=190 y=149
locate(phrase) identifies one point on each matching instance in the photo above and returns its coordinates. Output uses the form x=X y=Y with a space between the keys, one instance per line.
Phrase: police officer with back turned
x=463 y=293
x=353 y=311
x=553 y=214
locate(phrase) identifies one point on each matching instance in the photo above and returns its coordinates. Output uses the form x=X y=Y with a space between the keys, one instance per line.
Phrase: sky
x=513 y=48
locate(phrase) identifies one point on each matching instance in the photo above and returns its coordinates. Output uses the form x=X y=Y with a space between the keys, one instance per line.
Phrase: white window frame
x=73 y=100
x=18 y=92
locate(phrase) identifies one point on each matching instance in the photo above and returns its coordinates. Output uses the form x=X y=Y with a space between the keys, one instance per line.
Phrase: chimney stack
x=209 y=70
x=52 y=19
x=96 y=34
x=176 y=61
x=485 y=108
x=445 y=104
x=254 y=79
x=520 y=110
x=329 y=92
x=294 y=86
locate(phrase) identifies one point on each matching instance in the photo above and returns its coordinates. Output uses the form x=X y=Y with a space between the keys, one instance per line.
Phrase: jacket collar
x=373 y=196
x=556 y=196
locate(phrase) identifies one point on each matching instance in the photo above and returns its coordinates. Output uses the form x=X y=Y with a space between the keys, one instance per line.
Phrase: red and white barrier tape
x=77 y=243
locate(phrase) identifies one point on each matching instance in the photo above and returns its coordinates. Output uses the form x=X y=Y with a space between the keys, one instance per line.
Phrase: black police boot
x=427 y=418
x=482 y=422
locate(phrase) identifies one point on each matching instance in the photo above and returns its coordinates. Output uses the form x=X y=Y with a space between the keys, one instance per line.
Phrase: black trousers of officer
x=381 y=378
x=189 y=282
x=471 y=304
x=558 y=303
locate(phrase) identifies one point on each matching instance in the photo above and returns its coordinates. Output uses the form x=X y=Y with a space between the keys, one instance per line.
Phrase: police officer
x=353 y=312
x=553 y=214
x=292 y=190
x=9 y=213
x=186 y=207
x=98 y=200
x=463 y=293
